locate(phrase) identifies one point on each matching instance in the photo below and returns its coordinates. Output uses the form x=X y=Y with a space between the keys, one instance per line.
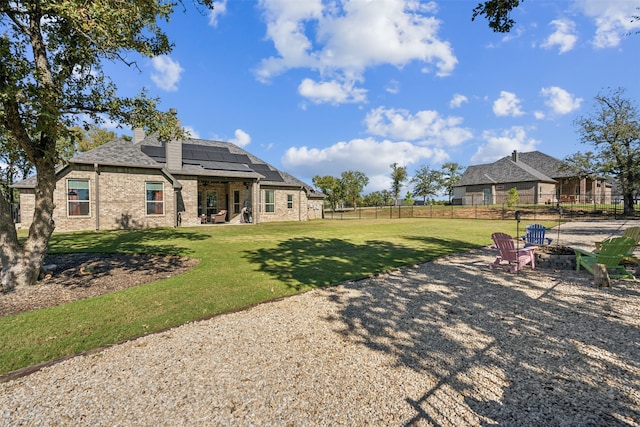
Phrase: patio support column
x=97 y=194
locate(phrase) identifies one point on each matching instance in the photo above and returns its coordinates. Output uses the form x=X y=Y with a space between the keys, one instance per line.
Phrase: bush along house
x=148 y=183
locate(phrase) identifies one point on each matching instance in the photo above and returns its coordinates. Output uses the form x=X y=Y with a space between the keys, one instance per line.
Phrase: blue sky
x=320 y=87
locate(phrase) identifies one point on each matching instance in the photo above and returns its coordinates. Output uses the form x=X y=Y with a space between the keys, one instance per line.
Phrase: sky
x=319 y=87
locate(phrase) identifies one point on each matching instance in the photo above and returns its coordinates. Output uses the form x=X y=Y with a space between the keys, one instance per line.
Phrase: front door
x=211 y=200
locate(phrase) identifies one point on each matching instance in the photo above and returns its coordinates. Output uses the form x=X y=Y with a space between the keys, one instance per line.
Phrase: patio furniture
x=611 y=253
x=633 y=232
x=220 y=217
x=515 y=258
x=535 y=235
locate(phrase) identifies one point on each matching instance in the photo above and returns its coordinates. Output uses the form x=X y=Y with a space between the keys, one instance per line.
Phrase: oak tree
x=51 y=76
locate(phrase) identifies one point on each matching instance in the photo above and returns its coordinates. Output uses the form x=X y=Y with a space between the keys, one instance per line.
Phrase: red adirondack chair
x=515 y=258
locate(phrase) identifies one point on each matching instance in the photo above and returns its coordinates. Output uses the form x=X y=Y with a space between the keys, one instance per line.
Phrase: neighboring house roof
x=528 y=167
x=199 y=158
x=504 y=170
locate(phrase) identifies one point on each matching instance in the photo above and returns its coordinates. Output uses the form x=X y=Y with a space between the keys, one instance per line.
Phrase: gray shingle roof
x=117 y=153
x=533 y=166
x=200 y=158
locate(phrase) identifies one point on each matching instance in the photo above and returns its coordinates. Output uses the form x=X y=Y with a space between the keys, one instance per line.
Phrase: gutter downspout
x=97 y=191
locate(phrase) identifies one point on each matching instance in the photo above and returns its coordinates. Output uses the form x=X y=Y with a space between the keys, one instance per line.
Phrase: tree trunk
x=628 y=202
x=21 y=264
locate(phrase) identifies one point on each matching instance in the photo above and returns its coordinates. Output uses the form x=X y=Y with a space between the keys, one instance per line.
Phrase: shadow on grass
x=524 y=352
x=157 y=241
x=309 y=262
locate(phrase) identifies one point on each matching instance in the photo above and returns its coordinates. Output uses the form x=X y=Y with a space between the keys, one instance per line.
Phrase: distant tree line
x=427 y=183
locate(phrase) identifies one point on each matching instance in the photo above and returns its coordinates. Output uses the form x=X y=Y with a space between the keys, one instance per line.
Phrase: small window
x=290 y=201
x=78 y=197
x=236 y=201
x=269 y=201
x=155 y=198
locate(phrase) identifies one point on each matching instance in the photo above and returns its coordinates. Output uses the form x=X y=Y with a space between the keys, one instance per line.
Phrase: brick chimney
x=515 y=156
x=138 y=135
x=174 y=149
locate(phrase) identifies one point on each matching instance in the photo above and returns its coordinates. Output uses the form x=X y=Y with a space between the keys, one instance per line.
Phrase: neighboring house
x=148 y=183
x=538 y=178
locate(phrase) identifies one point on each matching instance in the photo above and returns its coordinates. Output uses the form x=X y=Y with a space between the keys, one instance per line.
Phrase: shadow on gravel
x=502 y=348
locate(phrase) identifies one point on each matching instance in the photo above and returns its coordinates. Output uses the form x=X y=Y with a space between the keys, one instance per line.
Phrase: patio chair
x=535 y=235
x=220 y=217
x=633 y=232
x=515 y=258
x=611 y=253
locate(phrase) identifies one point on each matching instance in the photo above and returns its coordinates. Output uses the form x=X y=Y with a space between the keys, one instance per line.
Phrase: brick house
x=538 y=178
x=149 y=183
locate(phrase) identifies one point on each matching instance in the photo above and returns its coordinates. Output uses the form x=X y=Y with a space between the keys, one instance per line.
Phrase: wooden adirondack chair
x=516 y=258
x=633 y=232
x=612 y=251
x=535 y=235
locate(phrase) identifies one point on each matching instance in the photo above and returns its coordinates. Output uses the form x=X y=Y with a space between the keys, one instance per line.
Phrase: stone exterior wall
x=27 y=207
x=117 y=200
x=298 y=212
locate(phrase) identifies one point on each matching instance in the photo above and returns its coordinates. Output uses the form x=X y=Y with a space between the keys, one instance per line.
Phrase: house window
x=236 y=201
x=155 y=198
x=290 y=201
x=78 y=197
x=269 y=201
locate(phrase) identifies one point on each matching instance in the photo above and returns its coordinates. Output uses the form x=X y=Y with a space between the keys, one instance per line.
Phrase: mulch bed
x=84 y=275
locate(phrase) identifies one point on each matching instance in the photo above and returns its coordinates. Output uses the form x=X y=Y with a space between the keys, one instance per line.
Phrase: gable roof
x=199 y=158
x=504 y=170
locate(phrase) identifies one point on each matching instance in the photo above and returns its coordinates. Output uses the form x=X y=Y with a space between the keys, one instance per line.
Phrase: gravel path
x=446 y=343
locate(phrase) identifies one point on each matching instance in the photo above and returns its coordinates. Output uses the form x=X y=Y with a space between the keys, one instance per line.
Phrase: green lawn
x=241 y=265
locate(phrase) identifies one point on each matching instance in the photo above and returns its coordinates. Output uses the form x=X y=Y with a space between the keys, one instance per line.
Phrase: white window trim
x=82 y=201
x=265 y=202
x=146 y=210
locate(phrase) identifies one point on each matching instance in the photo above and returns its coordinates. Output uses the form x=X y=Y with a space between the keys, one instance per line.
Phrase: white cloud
x=333 y=92
x=167 y=73
x=559 y=100
x=393 y=87
x=612 y=19
x=507 y=105
x=428 y=127
x=458 y=100
x=368 y=155
x=341 y=39
x=564 y=37
x=219 y=9
x=502 y=144
x=192 y=132
x=241 y=138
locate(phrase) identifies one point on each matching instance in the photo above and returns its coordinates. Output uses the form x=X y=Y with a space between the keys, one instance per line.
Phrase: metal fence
x=573 y=209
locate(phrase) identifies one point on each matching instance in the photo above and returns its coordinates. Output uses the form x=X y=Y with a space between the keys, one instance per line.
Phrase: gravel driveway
x=444 y=343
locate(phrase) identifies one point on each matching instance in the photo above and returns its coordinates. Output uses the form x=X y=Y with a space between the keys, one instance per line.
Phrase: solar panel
x=269 y=174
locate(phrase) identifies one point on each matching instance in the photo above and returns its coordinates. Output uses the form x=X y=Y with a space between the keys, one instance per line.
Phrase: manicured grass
x=241 y=265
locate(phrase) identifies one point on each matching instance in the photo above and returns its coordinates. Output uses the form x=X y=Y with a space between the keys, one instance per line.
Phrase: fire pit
x=555 y=257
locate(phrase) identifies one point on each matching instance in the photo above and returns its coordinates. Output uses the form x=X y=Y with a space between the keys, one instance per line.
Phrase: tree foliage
x=497 y=13
x=51 y=76
x=613 y=130
x=513 y=197
x=398 y=178
x=451 y=173
x=352 y=183
x=427 y=182
x=330 y=186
